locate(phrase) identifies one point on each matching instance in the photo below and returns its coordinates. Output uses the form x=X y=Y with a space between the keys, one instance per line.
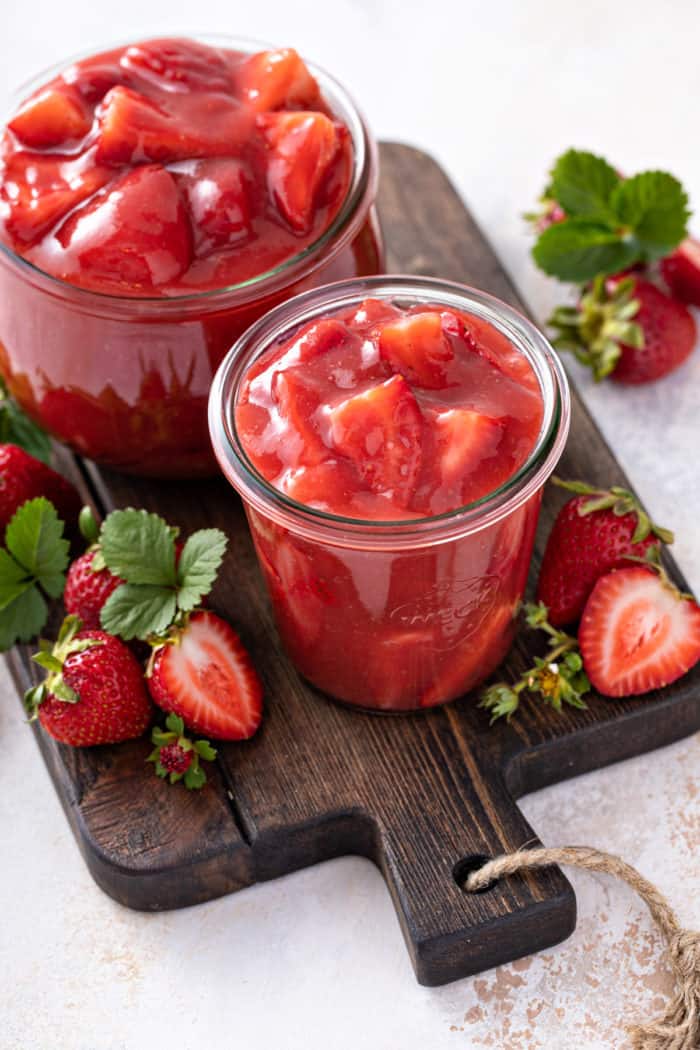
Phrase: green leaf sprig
x=158 y=589
x=18 y=429
x=198 y=750
x=610 y=222
x=557 y=678
x=32 y=567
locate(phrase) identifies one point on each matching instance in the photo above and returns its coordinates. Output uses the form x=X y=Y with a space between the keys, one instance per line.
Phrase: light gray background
x=494 y=90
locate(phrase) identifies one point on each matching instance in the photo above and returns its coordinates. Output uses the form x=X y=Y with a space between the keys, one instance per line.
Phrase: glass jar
x=125 y=380
x=394 y=616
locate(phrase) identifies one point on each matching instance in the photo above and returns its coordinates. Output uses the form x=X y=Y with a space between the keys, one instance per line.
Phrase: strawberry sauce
x=169 y=167
x=383 y=414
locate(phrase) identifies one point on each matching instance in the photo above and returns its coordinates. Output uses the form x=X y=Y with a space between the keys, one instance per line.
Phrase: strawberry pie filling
x=169 y=167
x=383 y=413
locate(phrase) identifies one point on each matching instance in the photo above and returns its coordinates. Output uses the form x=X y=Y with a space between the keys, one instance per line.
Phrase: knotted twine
x=679 y=1028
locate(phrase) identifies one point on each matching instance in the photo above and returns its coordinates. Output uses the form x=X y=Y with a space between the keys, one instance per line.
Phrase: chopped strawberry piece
x=326 y=486
x=637 y=633
x=217 y=194
x=297 y=404
x=179 y=65
x=417 y=347
x=38 y=191
x=318 y=337
x=399 y=666
x=373 y=312
x=134 y=129
x=464 y=439
x=301 y=150
x=277 y=80
x=135 y=233
x=55 y=116
x=207 y=678
x=380 y=430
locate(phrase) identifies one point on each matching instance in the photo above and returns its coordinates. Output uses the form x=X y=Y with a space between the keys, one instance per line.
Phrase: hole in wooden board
x=464 y=867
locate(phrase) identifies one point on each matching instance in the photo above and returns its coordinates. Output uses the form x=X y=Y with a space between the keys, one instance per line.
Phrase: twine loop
x=679 y=1027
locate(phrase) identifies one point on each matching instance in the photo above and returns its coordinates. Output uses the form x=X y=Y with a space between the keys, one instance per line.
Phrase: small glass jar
x=394 y=616
x=125 y=380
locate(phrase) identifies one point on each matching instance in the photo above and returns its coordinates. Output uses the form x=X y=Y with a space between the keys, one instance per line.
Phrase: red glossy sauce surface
x=380 y=413
x=170 y=167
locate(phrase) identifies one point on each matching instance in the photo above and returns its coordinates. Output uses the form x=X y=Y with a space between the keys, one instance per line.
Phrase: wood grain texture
x=420 y=794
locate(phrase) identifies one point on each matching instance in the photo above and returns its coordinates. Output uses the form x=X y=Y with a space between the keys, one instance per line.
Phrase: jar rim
x=362 y=188
x=366 y=534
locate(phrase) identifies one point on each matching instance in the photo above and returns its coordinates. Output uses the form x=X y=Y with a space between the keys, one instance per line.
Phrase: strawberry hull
x=401 y=610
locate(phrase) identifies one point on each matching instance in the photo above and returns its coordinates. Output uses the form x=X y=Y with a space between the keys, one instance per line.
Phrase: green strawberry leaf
x=23 y=618
x=654 y=206
x=195 y=778
x=199 y=563
x=18 y=429
x=205 y=750
x=578 y=250
x=175 y=724
x=34 y=537
x=14 y=579
x=137 y=610
x=582 y=184
x=139 y=547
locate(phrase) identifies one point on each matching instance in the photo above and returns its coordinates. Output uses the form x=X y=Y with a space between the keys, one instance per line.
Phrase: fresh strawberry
x=638 y=632
x=626 y=328
x=681 y=271
x=135 y=233
x=417 y=347
x=87 y=589
x=380 y=429
x=51 y=118
x=277 y=79
x=22 y=477
x=179 y=65
x=177 y=757
x=202 y=673
x=94 y=692
x=594 y=533
x=301 y=148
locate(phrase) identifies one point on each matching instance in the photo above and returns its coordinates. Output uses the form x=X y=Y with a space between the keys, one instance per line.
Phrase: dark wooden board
x=423 y=795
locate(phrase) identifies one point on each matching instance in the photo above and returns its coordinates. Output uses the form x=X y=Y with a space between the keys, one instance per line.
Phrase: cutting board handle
x=448 y=931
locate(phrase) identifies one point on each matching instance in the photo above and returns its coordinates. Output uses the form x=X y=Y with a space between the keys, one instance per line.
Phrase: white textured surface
x=494 y=91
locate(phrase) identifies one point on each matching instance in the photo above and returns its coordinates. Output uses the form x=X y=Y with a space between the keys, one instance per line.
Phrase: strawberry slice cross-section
x=464 y=439
x=637 y=633
x=204 y=675
x=380 y=430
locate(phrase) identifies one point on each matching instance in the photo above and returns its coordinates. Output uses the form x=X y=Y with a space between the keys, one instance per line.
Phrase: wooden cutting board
x=425 y=796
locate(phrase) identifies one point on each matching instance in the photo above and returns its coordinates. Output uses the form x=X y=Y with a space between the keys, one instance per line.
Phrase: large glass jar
x=125 y=380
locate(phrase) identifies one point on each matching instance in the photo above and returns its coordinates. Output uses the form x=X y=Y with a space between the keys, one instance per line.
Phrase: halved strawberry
x=204 y=675
x=681 y=271
x=134 y=129
x=52 y=117
x=380 y=430
x=217 y=194
x=417 y=347
x=464 y=439
x=134 y=234
x=179 y=65
x=301 y=150
x=637 y=633
x=277 y=79
x=39 y=190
